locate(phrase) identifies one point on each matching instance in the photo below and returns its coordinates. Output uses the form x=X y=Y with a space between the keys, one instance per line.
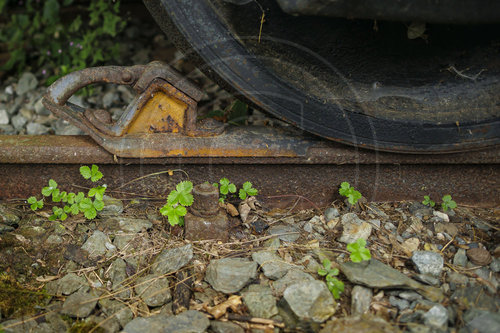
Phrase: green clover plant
x=358 y=251
x=177 y=201
x=428 y=202
x=335 y=286
x=448 y=203
x=247 y=190
x=91 y=173
x=348 y=191
x=35 y=204
x=225 y=188
x=74 y=203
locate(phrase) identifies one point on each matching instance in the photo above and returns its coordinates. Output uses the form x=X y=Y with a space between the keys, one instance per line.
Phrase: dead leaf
x=230 y=209
x=219 y=310
x=244 y=209
x=21 y=238
x=47 y=278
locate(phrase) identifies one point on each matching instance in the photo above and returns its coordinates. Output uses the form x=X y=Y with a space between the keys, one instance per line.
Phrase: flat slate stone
x=375 y=274
x=170 y=260
x=272 y=265
x=229 y=275
x=79 y=304
x=154 y=291
x=260 y=301
x=310 y=300
x=366 y=323
x=96 y=244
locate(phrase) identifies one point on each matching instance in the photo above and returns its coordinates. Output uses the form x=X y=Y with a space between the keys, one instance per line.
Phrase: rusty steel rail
x=286 y=167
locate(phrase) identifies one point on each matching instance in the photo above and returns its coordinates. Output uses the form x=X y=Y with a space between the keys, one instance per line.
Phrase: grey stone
x=377 y=275
x=366 y=323
x=117 y=274
x=79 y=304
x=8 y=216
x=308 y=227
x=18 y=121
x=409 y=295
x=495 y=265
x=70 y=283
x=286 y=233
x=122 y=240
x=96 y=244
x=428 y=279
x=153 y=290
x=4 y=117
x=482 y=321
x=331 y=213
x=40 y=108
x=260 y=301
x=485 y=274
x=361 y=298
x=56 y=322
x=293 y=276
x=354 y=228
x=7 y=129
x=36 y=129
x=272 y=265
x=310 y=300
x=375 y=223
x=460 y=258
x=112 y=207
x=419 y=209
x=170 y=260
x=442 y=216
x=428 y=262
x=150 y=324
x=401 y=304
x=190 y=321
x=457 y=278
x=116 y=309
x=225 y=327
x=109 y=98
x=26 y=83
x=229 y=275
x=126 y=224
x=54 y=239
x=437 y=317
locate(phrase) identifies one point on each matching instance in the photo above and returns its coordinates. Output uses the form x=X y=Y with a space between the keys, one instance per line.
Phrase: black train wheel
x=346 y=80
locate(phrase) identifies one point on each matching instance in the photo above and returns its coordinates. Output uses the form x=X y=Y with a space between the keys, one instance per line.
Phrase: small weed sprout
x=348 y=191
x=358 y=250
x=74 y=203
x=448 y=203
x=428 y=202
x=247 y=190
x=225 y=188
x=177 y=201
x=335 y=286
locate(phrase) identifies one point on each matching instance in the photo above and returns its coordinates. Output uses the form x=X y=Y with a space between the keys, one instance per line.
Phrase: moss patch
x=16 y=300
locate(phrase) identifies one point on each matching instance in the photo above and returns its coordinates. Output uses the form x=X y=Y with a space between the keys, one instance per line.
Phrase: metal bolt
x=206 y=200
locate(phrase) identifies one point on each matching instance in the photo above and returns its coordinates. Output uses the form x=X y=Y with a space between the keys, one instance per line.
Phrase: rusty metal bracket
x=166 y=104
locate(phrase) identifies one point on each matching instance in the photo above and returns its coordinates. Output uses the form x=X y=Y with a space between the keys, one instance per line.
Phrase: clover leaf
x=91 y=173
x=348 y=191
x=358 y=251
x=174 y=213
x=247 y=190
x=226 y=186
x=448 y=203
x=181 y=194
x=35 y=204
